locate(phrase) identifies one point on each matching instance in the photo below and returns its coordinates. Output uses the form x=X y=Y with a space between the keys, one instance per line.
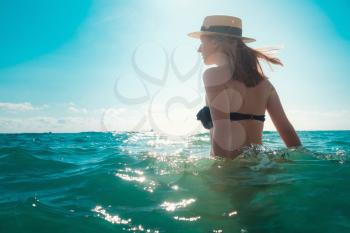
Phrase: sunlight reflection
x=172 y=206
x=140 y=179
x=191 y=219
x=149 y=185
x=232 y=213
x=115 y=219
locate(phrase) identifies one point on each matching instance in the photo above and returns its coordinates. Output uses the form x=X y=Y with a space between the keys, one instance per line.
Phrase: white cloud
x=46 y=124
x=180 y=121
x=100 y=119
x=25 y=106
x=72 y=108
x=77 y=110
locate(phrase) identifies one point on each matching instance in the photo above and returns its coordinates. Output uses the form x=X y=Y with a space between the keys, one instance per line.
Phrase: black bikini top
x=236 y=116
x=204 y=116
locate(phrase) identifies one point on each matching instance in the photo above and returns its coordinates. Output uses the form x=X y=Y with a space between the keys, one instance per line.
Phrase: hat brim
x=198 y=34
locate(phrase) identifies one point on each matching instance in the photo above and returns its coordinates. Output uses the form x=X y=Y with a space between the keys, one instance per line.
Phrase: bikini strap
x=236 y=116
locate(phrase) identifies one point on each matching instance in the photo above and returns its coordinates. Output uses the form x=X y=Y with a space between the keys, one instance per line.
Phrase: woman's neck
x=221 y=59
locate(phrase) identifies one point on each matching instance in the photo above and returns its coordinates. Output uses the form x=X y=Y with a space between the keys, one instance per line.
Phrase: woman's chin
x=207 y=63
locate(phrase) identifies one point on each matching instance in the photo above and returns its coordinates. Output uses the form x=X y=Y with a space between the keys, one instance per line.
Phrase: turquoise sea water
x=144 y=182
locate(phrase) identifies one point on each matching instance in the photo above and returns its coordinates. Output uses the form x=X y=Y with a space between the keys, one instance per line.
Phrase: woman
x=237 y=91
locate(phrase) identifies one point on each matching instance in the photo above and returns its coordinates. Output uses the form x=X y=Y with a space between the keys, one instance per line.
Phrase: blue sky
x=69 y=65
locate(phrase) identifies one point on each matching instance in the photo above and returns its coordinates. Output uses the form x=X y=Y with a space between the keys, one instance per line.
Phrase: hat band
x=223 y=29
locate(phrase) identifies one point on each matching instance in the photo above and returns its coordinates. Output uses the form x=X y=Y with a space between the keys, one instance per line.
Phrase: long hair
x=244 y=60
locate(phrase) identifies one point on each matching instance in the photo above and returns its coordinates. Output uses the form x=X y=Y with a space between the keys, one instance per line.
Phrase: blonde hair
x=244 y=61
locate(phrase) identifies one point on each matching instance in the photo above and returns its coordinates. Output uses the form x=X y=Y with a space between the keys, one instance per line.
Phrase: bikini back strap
x=236 y=116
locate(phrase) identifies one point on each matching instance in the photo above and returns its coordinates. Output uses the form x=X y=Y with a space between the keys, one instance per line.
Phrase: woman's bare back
x=228 y=95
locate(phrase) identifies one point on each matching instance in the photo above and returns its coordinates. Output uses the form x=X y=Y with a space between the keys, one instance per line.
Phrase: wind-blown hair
x=244 y=60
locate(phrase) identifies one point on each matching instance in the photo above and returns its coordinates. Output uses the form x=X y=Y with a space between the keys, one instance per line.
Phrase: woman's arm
x=211 y=130
x=281 y=122
x=218 y=103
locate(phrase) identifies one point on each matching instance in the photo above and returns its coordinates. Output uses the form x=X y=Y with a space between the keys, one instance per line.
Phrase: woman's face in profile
x=207 y=48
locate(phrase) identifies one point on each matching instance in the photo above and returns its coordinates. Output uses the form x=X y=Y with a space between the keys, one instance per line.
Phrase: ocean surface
x=144 y=182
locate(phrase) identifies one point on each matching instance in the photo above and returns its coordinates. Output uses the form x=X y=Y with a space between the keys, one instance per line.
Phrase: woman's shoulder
x=209 y=72
x=214 y=76
x=268 y=85
x=212 y=71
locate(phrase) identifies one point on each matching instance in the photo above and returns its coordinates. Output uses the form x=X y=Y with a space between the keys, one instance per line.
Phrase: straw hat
x=223 y=25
